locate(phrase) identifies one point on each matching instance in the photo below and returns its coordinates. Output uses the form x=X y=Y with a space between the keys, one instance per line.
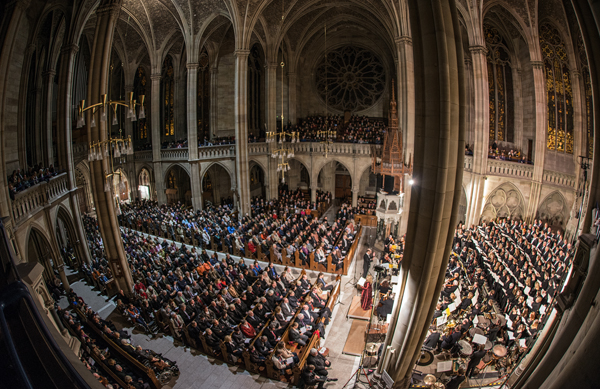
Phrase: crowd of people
x=96 y=346
x=501 y=279
x=226 y=301
x=20 y=180
x=283 y=224
x=360 y=129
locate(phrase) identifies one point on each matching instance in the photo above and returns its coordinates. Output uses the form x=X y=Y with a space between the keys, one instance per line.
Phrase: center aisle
x=200 y=371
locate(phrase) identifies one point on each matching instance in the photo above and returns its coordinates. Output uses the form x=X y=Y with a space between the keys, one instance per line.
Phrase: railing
x=511 y=169
x=562 y=179
x=468 y=163
x=334 y=148
x=141 y=156
x=174 y=154
x=258 y=148
x=29 y=201
x=212 y=152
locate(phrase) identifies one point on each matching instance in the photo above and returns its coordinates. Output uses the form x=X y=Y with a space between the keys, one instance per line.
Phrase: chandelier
x=113 y=147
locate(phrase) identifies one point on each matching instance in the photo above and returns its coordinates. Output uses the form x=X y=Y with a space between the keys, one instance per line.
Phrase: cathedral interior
x=299 y=193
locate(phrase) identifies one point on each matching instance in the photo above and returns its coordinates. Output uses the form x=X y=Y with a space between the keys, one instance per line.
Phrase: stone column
x=242 y=170
x=481 y=132
x=435 y=197
x=48 y=88
x=540 y=138
x=107 y=15
x=127 y=123
x=406 y=92
x=192 y=133
x=271 y=90
x=518 y=112
x=214 y=101
x=313 y=192
x=64 y=129
x=355 y=197
x=155 y=116
x=292 y=98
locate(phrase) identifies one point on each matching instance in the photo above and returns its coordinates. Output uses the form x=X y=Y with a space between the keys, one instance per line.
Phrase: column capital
x=50 y=73
x=128 y=87
x=575 y=73
x=109 y=7
x=537 y=64
x=272 y=65
x=478 y=49
x=214 y=70
x=155 y=76
x=404 y=39
x=69 y=49
x=192 y=65
x=241 y=52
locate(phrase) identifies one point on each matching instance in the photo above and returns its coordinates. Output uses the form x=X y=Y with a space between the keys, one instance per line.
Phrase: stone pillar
x=435 y=197
x=107 y=15
x=355 y=197
x=214 y=101
x=313 y=192
x=481 y=132
x=518 y=102
x=127 y=124
x=242 y=170
x=406 y=92
x=159 y=183
x=540 y=138
x=271 y=90
x=192 y=133
x=155 y=116
x=292 y=98
x=48 y=88
x=64 y=145
x=63 y=277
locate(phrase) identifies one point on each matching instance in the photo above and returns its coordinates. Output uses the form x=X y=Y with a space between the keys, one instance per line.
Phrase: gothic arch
x=178 y=184
x=504 y=201
x=38 y=248
x=216 y=187
x=554 y=210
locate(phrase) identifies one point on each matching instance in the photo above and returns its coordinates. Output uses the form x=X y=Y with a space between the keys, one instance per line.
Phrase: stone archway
x=40 y=250
x=505 y=201
x=334 y=177
x=257 y=180
x=554 y=210
x=178 y=186
x=121 y=186
x=145 y=190
x=216 y=186
x=68 y=244
x=298 y=177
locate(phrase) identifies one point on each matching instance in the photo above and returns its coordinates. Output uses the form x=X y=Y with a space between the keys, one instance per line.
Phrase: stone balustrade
x=510 y=169
x=468 y=163
x=31 y=200
x=333 y=148
x=557 y=178
x=258 y=148
x=174 y=154
x=143 y=156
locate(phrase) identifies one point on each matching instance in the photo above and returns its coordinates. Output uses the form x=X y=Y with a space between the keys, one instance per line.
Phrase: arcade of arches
x=105 y=103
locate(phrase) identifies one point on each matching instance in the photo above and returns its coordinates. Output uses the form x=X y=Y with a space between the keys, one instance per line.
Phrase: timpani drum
x=499 y=351
x=488 y=345
x=474 y=331
x=465 y=349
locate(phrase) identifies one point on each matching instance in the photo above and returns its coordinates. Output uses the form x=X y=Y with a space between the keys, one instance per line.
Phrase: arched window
x=255 y=84
x=558 y=90
x=171 y=180
x=588 y=108
x=168 y=93
x=140 y=126
x=501 y=87
x=203 y=111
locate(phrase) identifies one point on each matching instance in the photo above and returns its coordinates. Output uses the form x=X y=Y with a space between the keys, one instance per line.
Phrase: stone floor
x=199 y=371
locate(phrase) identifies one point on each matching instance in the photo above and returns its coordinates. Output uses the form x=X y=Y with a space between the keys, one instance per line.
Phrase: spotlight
x=411 y=181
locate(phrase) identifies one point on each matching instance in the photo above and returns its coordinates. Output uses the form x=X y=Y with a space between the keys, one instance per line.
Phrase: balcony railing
x=31 y=200
x=510 y=169
x=468 y=163
x=562 y=179
x=174 y=155
x=214 y=152
x=334 y=148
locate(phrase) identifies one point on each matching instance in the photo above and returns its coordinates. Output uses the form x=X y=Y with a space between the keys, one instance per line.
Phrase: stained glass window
x=588 y=104
x=168 y=93
x=140 y=126
x=203 y=110
x=500 y=87
x=559 y=92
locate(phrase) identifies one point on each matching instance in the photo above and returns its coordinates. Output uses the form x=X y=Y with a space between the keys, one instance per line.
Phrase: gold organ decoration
x=168 y=83
x=559 y=92
x=389 y=160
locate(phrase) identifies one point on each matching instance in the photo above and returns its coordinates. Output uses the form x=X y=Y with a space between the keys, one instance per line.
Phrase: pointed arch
x=504 y=201
x=554 y=210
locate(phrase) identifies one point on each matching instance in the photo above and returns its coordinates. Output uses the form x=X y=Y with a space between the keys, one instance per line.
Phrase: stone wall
x=226 y=119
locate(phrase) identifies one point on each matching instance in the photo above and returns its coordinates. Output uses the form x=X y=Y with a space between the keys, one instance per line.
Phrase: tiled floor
x=200 y=371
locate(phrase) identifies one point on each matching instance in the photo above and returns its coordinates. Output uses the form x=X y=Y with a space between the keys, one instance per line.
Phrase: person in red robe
x=366 y=297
